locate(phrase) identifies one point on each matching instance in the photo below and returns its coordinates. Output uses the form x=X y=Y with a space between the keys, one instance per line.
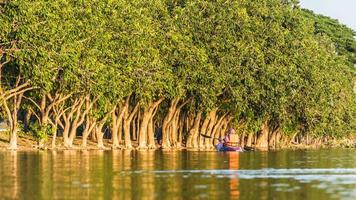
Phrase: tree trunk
x=114 y=131
x=116 y=128
x=79 y=118
x=13 y=131
x=242 y=140
x=217 y=126
x=150 y=134
x=194 y=133
x=27 y=120
x=174 y=132
x=180 y=131
x=45 y=110
x=190 y=121
x=143 y=129
x=93 y=136
x=126 y=124
x=212 y=120
x=277 y=138
x=66 y=134
x=16 y=94
x=166 y=123
x=12 y=116
x=133 y=127
x=127 y=121
x=73 y=133
x=224 y=127
x=54 y=135
x=175 y=141
x=249 y=140
x=272 y=138
x=203 y=131
x=127 y=139
x=67 y=121
x=147 y=114
x=13 y=138
x=89 y=126
x=138 y=118
x=75 y=124
x=100 y=135
x=262 y=139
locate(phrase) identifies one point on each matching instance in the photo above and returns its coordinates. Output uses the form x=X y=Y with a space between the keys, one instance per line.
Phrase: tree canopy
x=342 y=36
x=257 y=65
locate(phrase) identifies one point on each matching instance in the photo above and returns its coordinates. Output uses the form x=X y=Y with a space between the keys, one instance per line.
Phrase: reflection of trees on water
x=71 y=172
x=74 y=174
x=14 y=175
x=116 y=181
x=171 y=183
x=84 y=167
x=9 y=185
x=44 y=170
x=146 y=181
x=54 y=174
x=122 y=182
x=103 y=175
x=113 y=175
x=132 y=175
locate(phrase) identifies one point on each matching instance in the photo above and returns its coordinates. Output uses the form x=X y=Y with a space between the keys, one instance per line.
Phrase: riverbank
x=28 y=142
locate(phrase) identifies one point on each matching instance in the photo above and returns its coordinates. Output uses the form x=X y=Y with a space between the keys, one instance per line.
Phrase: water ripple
x=337 y=182
x=258 y=172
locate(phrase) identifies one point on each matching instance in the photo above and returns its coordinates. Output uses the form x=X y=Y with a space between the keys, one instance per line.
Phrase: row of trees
x=342 y=36
x=171 y=70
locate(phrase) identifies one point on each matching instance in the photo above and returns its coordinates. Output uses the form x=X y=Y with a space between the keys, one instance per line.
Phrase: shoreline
x=29 y=143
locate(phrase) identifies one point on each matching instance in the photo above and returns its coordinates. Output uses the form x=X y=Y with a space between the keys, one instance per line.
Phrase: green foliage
x=256 y=60
x=40 y=131
x=342 y=36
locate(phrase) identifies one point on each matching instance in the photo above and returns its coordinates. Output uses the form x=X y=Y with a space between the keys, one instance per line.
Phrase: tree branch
x=36 y=104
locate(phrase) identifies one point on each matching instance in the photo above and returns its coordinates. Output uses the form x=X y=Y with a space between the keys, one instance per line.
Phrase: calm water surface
x=313 y=174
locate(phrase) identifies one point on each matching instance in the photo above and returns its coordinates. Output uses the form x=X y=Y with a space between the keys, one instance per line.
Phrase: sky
x=343 y=10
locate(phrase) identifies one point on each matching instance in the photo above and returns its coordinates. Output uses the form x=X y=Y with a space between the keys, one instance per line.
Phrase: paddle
x=210 y=137
x=214 y=138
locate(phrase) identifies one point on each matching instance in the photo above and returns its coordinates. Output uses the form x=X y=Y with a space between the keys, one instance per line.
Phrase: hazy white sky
x=343 y=10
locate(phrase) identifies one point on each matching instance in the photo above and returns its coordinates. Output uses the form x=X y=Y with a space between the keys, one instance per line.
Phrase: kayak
x=222 y=147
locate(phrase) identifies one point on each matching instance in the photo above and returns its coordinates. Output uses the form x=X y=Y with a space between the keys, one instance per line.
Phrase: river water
x=286 y=174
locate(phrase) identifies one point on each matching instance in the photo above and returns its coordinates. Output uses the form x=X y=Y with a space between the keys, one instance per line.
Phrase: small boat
x=222 y=147
x=232 y=145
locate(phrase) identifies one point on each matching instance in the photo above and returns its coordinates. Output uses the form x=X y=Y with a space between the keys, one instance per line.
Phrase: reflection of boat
x=234 y=182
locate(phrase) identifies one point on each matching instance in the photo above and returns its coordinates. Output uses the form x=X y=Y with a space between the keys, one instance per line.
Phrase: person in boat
x=230 y=142
x=230 y=133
